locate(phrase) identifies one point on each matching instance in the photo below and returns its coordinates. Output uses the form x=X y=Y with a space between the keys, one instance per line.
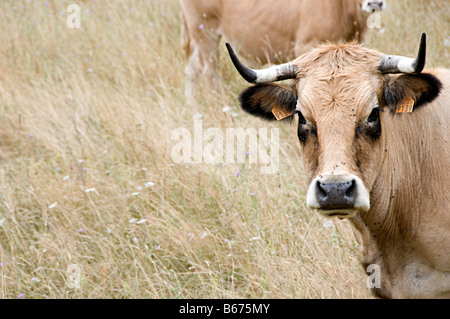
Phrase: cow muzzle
x=338 y=195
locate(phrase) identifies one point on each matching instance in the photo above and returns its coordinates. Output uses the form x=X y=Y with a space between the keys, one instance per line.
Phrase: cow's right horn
x=274 y=73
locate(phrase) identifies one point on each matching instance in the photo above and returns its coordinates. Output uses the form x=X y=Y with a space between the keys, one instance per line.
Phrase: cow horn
x=401 y=64
x=274 y=73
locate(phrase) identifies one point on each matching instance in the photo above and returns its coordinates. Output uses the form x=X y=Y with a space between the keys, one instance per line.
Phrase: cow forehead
x=353 y=97
x=337 y=58
x=338 y=78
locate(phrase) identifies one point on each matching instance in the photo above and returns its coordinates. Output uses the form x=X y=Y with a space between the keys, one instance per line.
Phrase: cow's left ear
x=423 y=88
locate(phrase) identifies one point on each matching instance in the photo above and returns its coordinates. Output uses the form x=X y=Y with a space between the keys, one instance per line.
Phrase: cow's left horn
x=401 y=64
x=274 y=73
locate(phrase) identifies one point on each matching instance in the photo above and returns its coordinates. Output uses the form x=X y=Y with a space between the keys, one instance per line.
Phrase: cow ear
x=269 y=101
x=423 y=88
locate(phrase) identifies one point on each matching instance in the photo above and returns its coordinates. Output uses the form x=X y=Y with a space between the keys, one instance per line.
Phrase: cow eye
x=374 y=116
x=305 y=128
x=372 y=127
x=301 y=118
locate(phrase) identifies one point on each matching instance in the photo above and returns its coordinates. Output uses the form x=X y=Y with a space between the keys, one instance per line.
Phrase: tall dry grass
x=86 y=179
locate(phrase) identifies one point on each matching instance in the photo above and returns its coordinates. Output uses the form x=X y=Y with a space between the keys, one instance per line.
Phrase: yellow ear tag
x=280 y=113
x=406 y=105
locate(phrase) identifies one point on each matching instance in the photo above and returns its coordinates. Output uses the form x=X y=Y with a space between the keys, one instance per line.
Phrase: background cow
x=266 y=30
x=375 y=143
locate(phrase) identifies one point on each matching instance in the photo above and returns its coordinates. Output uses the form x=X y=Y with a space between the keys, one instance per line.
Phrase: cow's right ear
x=269 y=101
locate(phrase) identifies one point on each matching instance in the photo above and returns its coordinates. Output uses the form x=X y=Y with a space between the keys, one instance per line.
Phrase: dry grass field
x=87 y=179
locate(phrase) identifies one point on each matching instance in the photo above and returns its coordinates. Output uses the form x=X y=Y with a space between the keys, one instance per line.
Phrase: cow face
x=339 y=129
x=341 y=100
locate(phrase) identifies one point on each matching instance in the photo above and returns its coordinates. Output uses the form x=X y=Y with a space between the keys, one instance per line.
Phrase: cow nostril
x=351 y=191
x=321 y=192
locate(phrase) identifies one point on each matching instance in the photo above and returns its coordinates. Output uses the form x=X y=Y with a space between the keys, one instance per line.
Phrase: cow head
x=341 y=95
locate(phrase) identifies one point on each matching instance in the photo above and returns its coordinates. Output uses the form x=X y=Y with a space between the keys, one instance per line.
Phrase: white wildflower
x=53 y=205
x=328 y=224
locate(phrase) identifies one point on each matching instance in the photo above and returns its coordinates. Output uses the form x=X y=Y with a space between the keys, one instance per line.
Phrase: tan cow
x=388 y=173
x=266 y=30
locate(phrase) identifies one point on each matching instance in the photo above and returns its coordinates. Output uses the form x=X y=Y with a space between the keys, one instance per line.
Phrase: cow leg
x=200 y=44
x=211 y=63
x=193 y=62
x=201 y=67
x=192 y=71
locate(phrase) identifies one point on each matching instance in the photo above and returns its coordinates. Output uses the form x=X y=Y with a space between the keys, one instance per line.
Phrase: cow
x=266 y=30
x=374 y=138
